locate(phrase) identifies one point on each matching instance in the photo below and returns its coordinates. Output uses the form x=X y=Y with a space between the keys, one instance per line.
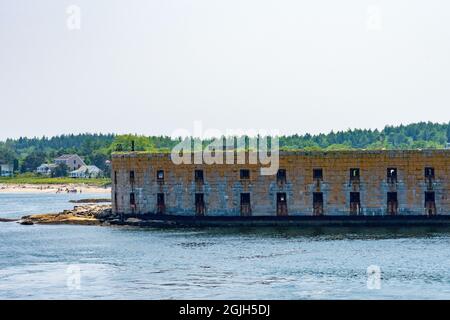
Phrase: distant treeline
x=28 y=153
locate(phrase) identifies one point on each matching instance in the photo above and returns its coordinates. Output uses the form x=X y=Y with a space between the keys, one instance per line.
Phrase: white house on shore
x=6 y=170
x=46 y=169
x=72 y=161
x=86 y=172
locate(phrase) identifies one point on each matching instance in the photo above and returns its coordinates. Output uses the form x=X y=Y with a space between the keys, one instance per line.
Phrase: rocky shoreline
x=102 y=215
x=8 y=220
x=88 y=214
x=83 y=215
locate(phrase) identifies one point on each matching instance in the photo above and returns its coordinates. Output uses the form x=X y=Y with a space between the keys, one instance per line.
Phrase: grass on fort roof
x=289 y=149
x=36 y=179
x=142 y=152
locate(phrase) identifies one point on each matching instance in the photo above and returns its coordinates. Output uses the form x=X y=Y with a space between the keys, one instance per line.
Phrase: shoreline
x=91 y=214
x=101 y=214
x=52 y=188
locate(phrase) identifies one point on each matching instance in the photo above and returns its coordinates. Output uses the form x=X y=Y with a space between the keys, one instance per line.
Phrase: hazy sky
x=152 y=66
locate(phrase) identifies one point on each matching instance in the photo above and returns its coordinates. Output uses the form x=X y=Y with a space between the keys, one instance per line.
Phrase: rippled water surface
x=16 y=205
x=123 y=263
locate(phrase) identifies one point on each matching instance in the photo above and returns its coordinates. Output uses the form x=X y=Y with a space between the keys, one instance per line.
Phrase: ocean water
x=16 y=205
x=92 y=262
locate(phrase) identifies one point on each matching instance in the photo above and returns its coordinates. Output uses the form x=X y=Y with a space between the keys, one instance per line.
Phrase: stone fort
x=382 y=182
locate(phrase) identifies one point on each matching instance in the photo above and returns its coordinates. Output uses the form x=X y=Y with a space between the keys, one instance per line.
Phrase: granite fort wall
x=136 y=187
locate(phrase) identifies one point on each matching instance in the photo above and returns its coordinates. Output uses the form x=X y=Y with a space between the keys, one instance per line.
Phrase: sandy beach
x=52 y=188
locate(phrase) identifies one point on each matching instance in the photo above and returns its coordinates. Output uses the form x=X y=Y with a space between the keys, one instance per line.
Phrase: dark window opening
x=355 y=203
x=392 y=203
x=115 y=200
x=245 y=174
x=318 y=174
x=429 y=173
x=354 y=197
x=281 y=176
x=281 y=204
x=429 y=196
x=132 y=176
x=198 y=176
x=199 y=204
x=160 y=203
x=354 y=174
x=160 y=176
x=392 y=175
x=245 y=198
x=318 y=203
x=115 y=177
x=132 y=199
x=246 y=209
x=430 y=204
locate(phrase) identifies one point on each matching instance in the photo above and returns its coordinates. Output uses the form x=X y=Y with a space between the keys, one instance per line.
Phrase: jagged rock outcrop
x=86 y=215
